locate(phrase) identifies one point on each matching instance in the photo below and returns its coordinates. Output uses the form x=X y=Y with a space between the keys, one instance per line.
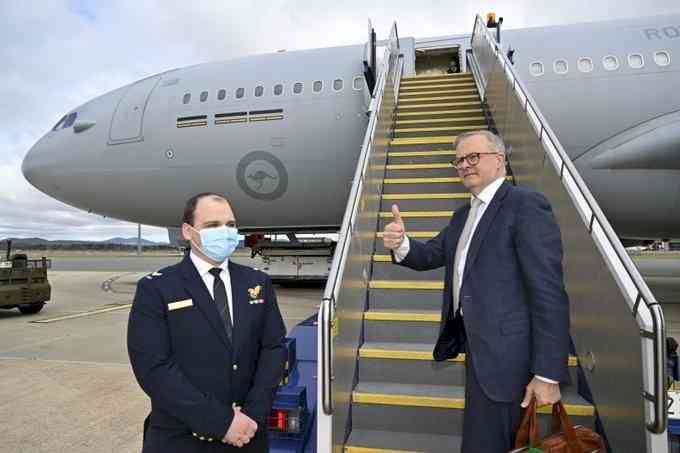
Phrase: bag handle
x=560 y=419
x=528 y=432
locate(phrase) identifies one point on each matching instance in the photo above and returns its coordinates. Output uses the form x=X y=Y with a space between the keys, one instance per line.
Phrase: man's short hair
x=495 y=142
x=190 y=206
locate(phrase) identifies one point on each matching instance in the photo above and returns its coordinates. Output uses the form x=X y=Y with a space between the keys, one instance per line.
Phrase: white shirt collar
x=487 y=194
x=202 y=266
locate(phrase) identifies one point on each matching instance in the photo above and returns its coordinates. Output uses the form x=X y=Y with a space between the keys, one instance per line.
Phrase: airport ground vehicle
x=23 y=282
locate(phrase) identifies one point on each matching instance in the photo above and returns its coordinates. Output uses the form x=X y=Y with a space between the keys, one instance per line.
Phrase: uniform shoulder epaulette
x=153 y=275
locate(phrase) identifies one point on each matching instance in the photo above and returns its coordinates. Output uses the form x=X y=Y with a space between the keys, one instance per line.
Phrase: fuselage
x=609 y=90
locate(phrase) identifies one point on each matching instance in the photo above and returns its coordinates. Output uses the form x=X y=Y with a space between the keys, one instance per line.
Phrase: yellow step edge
x=439 y=128
x=440 y=112
x=422 y=180
x=440 y=92
x=441 y=104
x=457 y=75
x=574 y=410
x=403 y=316
x=431 y=166
x=423 y=140
x=442 y=120
x=426 y=196
x=404 y=354
x=406 y=284
x=416 y=214
x=352 y=449
x=421 y=153
x=439 y=98
x=414 y=234
x=428 y=85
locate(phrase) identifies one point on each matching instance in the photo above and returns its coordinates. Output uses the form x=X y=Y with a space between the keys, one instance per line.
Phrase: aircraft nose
x=38 y=167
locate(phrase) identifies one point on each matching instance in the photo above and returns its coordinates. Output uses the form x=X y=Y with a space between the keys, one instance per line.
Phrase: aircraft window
x=59 y=123
x=662 y=58
x=259 y=90
x=222 y=94
x=611 y=63
x=358 y=83
x=70 y=120
x=187 y=98
x=636 y=61
x=297 y=88
x=240 y=92
x=585 y=64
x=204 y=96
x=318 y=85
x=338 y=84
x=536 y=69
x=278 y=89
x=560 y=66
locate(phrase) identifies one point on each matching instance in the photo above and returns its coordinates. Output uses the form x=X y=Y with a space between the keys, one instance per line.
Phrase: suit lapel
x=483 y=226
x=201 y=297
x=238 y=303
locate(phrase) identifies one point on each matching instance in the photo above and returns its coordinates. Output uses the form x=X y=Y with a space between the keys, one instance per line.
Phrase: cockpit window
x=70 y=119
x=59 y=123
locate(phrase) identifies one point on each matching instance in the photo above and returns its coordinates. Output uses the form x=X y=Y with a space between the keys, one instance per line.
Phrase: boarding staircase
x=403 y=400
x=379 y=388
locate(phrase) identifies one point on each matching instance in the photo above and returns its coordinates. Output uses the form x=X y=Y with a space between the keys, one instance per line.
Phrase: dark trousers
x=488 y=426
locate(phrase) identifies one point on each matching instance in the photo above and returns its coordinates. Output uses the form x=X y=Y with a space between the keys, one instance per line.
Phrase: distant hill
x=30 y=243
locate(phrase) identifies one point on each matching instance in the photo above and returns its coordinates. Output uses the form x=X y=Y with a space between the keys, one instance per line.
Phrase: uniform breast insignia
x=180 y=304
x=254 y=294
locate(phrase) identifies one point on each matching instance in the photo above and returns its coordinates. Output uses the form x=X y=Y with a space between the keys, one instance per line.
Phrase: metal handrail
x=596 y=220
x=327 y=309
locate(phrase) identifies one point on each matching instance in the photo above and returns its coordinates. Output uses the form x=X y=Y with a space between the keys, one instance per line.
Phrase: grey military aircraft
x=280 y=133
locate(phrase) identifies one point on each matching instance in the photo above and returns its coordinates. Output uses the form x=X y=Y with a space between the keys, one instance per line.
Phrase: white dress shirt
x=484 y=197
x=203 y=267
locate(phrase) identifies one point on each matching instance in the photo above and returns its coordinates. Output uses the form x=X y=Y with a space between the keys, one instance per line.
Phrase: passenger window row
x=278 y=89
x=609 y=63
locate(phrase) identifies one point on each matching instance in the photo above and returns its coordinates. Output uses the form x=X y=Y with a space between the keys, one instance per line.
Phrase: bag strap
x=560 y=419
x=528 y=432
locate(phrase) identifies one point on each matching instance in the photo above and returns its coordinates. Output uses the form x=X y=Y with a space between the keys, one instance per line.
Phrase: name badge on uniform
x=180 y=304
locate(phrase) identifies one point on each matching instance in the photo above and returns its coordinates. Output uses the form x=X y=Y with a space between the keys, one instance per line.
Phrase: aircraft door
x=370 y=70
x=128 y=119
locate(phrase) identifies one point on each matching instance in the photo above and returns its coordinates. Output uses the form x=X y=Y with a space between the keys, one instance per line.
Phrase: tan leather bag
x=570 y=439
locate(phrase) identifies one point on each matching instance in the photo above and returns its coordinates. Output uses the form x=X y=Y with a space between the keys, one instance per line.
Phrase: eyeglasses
x=472 y=159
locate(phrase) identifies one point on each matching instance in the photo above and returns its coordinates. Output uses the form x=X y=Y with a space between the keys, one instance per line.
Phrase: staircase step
x=413 y=234
x=437 y=106
x=435 y=131
x=462 y=121
x=438 y=85
x=441 y=114
x=455 y=76
x=389 y=271
x=438 y=99
x=370 y=441
x=444 y=397
x=421 y=157
x=405 y=299
x=428 y=170
x=440 y=201
x=415 y=223
x=430 y=140
x=404 y=95
x=421 y=326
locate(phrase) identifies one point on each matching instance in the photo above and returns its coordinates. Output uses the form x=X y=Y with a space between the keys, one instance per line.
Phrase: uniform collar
x=203 y=267
x=487 y=194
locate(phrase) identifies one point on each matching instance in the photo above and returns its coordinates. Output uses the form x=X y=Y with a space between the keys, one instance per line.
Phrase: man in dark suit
x=206 y=342
x=504 y=301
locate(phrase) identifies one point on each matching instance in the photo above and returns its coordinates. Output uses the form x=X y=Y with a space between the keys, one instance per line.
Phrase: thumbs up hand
x=395 y=231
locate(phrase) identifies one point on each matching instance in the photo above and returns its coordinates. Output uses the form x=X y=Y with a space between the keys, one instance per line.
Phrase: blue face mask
x=219 y=242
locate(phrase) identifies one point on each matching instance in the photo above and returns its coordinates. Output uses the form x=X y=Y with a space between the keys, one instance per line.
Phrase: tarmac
x=65 y=378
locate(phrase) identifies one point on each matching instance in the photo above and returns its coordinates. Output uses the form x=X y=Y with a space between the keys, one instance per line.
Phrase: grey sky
x=59 y=54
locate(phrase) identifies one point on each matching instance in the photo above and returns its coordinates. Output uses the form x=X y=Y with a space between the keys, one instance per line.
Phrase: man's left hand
x=544 y=392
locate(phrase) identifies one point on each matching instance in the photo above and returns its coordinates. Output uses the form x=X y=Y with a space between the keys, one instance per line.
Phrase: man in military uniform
x=206 y=342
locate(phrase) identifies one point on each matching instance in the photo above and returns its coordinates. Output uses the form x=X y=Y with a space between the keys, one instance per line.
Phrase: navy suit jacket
x=516 y=310
x=184 y=361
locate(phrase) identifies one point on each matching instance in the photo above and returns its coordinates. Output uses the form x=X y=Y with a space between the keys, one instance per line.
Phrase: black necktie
x=220 y=296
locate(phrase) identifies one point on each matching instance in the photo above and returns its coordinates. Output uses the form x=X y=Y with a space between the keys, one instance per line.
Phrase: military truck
x=23 y=282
